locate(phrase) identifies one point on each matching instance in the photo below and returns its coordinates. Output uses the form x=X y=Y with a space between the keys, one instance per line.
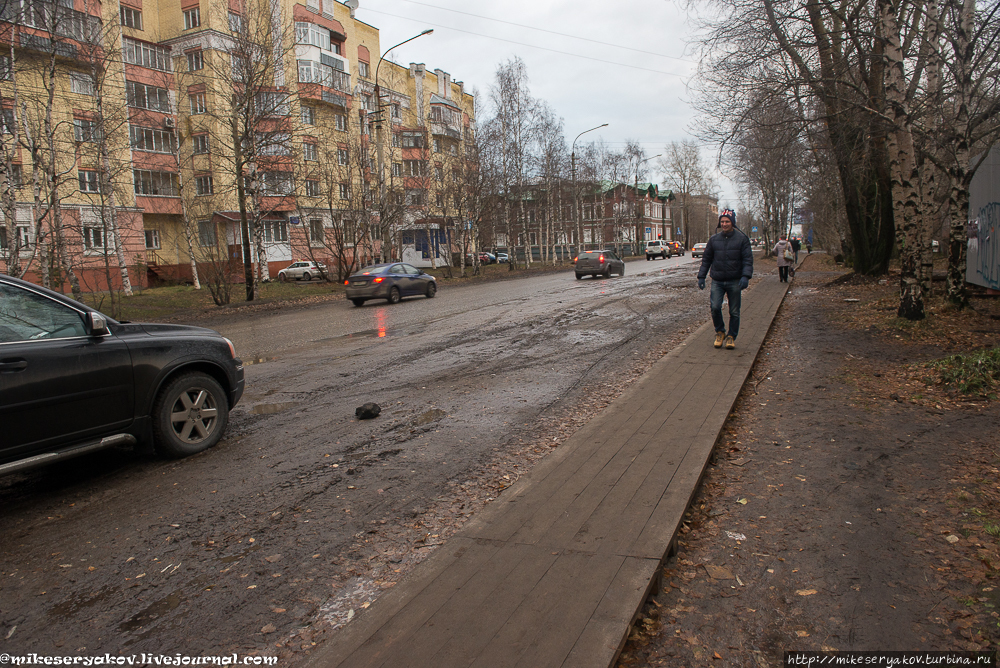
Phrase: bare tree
x=683 y=172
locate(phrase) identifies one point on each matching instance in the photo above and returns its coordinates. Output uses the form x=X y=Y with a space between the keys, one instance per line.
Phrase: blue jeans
x=731 y=290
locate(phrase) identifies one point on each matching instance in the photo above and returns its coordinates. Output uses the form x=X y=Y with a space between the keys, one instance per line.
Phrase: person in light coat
x=783 y=264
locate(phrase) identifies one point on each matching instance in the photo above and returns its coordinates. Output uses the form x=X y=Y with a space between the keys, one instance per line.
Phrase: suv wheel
x=189 y=415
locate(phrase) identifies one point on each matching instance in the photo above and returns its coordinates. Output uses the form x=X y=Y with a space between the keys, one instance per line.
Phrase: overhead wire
x=551 y=32
x=530 y=46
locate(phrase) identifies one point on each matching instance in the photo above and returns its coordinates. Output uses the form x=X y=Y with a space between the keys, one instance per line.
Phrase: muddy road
x=302 y=514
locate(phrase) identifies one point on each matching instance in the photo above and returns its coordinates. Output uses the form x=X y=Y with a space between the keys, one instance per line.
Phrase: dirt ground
x=849 y=505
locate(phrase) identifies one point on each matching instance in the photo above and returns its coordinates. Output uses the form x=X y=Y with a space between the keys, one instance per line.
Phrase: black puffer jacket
x=729 y=257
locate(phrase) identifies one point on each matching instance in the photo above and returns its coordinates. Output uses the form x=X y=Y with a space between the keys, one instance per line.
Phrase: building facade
x=192 y=135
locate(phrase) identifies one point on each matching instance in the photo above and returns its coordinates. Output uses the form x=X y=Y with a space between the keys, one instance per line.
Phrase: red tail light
x=379 y=279
x=601 y=259
x=576 y=258
x=347 y=282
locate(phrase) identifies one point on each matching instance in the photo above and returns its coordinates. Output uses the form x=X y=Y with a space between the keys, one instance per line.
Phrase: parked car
x=677 y=247
x=658 y=248
x=487 y=258
x=75 y=381
x=391 y=282
x=599 y=263
x=302 y=269
x=503 y=257
x=698 y=250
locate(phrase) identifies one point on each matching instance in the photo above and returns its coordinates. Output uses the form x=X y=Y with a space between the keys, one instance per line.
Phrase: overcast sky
x=622 y=63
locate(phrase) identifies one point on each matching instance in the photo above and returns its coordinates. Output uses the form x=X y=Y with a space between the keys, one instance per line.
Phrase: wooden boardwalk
x=554 y=572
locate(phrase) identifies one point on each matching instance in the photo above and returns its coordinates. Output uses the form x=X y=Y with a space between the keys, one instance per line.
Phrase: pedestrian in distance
x=796 y=247
x=783 y=262
x=729 y=257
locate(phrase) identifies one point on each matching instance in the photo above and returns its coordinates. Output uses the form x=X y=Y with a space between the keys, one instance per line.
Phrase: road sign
x=294 y=220
x=753 y=229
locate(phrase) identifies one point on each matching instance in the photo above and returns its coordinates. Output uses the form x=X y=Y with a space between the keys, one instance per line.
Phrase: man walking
x=730 y=258
x=796 y=247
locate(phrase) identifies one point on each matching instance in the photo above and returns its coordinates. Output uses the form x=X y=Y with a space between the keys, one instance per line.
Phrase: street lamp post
x=576 y=196
x=379 y=148
x=638 y=222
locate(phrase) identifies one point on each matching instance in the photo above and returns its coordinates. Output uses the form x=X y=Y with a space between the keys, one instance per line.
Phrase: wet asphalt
x=283 y=526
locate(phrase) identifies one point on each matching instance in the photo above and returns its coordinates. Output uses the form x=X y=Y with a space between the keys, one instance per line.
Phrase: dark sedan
x=390 y=282
x=599 y=263
x=73 y=380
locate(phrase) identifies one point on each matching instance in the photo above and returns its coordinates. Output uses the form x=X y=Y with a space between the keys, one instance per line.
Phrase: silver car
x=302 y=270
x=390 y=282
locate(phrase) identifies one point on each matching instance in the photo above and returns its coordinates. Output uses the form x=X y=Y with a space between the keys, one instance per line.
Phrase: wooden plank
x=535 y=508
x=607 y=629
x=613 y=515
x=402 y=610
x=455 y=635
x=562 y=602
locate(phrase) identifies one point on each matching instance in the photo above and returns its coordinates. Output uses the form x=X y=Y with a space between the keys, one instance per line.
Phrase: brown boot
x=719 y=336
x=730 y=343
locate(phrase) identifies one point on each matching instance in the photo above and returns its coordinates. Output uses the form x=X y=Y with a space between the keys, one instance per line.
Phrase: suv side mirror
x=97 y=324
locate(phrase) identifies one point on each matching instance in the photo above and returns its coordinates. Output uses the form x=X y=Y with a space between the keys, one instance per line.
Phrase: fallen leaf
x=269 y=628
x=802 y=634
x=718 y=572
x=805 y=592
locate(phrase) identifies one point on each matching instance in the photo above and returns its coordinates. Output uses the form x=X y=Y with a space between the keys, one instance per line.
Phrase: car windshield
x=589 y=254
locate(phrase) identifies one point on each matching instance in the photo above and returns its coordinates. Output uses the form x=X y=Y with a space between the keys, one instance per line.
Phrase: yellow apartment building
x=184 y=127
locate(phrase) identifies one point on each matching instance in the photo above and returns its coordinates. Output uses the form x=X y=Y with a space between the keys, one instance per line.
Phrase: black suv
x=73 y=380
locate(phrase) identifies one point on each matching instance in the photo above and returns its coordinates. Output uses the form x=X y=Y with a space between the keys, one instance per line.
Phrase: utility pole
x=576 y=195
x=379 y=140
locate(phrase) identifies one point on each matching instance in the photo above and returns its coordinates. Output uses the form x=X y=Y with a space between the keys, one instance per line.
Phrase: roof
x=437 y=99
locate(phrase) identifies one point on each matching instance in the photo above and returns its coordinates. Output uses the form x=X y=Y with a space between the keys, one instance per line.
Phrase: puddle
x=78 y=602
x=269 y=409
x=356 y=594
x=259 y=360
x=153 y=612
x=236 y=557
x=430 y=416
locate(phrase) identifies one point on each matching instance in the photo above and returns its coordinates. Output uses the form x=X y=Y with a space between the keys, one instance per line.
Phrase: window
x=415 y=168
x=23 y=240
x=192 y=18
x=89 y=181
x=81 y=83
x=316 y=231
x=6 y=69
x=437 y=145
x=146 y=55
x=273 y=143
x=395 y=140
x=364 y=70
x=93 y=236
x=272 y=104
x=438 y=174
x=368 y=102
x=85 y=129
x=276 y=183
x=237 y=69
x=416 y=197
x=310 y=151
x=235 y=22
x=342 y=156
x=312 y=188
x=200 y=144
x=413 y=140
x=363 y=121
x=341 y=120
x=439 y=200
x=310 y=33
x=152 y=239
x=345 y=191
x=397 y=169
x=309 y=116
x=198 y=103
x=162 y=184
x=142 y=96
x=16 y=176
x=397 y=110
x=206 y=233
x=275 y=231
x=203 y=184
x=151 y=139
x=196 y=61
x=131 y=18
x=7 y=121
